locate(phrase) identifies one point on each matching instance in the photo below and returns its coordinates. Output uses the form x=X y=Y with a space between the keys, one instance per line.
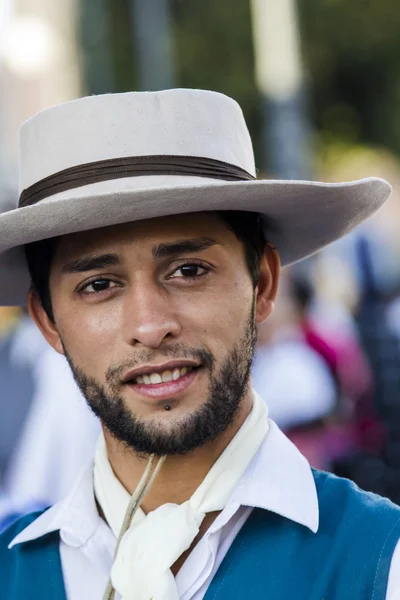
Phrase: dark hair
x=249 y=229
x=247 y=226
x=39 y=256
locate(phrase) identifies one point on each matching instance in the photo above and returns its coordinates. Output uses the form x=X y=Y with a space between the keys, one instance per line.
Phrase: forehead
x=145 y=234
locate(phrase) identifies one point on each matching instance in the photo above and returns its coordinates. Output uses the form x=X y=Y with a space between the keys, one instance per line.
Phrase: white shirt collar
x=76 y=517
x=278 y=479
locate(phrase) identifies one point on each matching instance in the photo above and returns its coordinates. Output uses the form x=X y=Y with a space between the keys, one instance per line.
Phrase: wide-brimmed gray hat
x=115 y=158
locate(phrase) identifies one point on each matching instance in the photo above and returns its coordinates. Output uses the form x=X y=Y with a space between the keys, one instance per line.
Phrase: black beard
x=226 y=390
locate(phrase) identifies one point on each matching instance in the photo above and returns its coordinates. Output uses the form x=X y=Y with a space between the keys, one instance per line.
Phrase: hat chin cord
x=136 y=499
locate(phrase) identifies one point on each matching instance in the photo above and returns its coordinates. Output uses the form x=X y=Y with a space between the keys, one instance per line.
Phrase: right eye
x=97 y=286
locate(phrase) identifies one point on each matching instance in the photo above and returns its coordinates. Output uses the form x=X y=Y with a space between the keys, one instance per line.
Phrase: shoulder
x=31 y=568
x=329 y=485
x=363 y=530
x=18 y=525
x=11 y=532
x=343 y=503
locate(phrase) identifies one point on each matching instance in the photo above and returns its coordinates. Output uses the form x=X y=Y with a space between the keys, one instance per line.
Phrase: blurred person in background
x=353 y=433
x=153 y=253
x=297 y=384
x=17 y=387
x=356 y=284
x=44 y=463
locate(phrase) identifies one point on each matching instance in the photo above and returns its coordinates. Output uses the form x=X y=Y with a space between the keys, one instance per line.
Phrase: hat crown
x=172 y=122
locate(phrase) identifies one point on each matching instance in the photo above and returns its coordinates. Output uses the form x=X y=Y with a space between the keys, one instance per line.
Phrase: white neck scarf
x=154 y=542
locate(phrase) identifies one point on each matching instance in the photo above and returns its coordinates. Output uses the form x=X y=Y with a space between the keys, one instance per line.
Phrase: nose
x=149 y=317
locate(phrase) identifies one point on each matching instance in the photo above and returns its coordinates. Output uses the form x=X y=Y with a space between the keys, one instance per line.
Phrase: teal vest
x=272 y=558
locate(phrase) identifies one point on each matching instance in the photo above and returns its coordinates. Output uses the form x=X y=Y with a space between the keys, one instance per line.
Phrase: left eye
x=189 y=271
x=99 y=285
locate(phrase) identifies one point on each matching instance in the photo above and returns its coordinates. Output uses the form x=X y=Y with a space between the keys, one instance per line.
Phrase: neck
x=180 y=475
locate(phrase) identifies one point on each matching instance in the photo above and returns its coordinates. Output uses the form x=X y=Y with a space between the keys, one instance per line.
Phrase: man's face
x=157 y=320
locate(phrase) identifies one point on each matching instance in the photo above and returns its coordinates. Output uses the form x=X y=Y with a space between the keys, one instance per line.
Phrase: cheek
x=220 y=317
x=90 y=337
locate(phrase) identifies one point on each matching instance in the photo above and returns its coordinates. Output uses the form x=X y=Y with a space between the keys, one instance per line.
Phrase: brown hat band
x=134 y=166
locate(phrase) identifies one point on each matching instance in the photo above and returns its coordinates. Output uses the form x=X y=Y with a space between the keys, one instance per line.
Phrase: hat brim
x=302 y=216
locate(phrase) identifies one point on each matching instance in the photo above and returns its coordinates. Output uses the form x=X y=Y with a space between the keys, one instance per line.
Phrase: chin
x=166 y=411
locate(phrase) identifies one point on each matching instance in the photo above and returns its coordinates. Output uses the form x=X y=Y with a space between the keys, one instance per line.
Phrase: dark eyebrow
x=91 y=263
x=182 y=246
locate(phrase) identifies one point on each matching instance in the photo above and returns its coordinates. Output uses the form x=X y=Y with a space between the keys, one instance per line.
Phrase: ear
x=267 y=287
x=46 y=326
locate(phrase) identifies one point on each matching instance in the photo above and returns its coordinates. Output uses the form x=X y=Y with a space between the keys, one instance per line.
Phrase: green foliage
x=122 y=45
x=94 y=34
x=351 y=51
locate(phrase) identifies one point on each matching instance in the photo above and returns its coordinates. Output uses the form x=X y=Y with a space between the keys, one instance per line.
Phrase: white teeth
x=155 y=378
x=167 y=376
x=164 y=377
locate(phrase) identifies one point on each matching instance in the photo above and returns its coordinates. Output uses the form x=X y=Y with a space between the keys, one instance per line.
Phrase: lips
x=163 y=376
x=168 y=371
x=162 y=383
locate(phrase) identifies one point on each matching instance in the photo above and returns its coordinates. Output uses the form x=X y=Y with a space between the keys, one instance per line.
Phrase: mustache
x=115 y=373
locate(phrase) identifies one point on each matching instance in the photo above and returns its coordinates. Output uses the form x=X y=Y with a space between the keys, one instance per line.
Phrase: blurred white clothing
x=5 y=506
x=59 y=434
x=294 y=381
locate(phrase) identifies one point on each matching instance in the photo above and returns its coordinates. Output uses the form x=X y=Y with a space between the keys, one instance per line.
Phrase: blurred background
x=319 y=84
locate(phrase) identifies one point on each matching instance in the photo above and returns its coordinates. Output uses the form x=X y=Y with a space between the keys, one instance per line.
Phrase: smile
x=163 y=377
x=164 y=384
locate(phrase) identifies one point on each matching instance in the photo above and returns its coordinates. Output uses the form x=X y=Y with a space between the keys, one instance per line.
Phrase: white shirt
x=278 y=479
